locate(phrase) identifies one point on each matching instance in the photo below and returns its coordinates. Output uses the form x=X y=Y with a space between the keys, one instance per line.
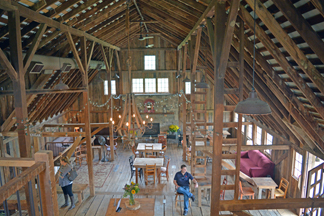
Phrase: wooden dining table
x=142 y=162
x=157 y=147
x=265 y=183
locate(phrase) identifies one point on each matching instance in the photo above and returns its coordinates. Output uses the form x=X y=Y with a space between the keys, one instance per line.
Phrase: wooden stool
x=176 y=199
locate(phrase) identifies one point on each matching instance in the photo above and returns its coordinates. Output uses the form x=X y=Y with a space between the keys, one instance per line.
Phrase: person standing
x=181 y=182
x=65 y=183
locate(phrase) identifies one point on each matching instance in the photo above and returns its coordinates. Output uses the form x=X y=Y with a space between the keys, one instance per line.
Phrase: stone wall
x=165 y=120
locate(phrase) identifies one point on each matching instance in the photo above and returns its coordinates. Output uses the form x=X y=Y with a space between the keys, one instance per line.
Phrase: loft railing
x=36 y=183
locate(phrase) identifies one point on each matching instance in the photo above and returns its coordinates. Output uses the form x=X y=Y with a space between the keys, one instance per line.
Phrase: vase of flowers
x=131 y=190
x=173 y=128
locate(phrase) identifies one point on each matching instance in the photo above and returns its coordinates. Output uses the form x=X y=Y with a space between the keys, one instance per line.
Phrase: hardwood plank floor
x=162 y=193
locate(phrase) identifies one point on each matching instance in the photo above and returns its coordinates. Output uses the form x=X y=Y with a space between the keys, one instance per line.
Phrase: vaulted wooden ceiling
x=289 y=50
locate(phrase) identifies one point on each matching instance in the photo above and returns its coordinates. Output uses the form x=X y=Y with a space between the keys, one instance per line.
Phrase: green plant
x=173 y=128
x=131 y=190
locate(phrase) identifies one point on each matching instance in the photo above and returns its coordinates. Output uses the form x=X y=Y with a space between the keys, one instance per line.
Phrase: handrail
x=21 y=180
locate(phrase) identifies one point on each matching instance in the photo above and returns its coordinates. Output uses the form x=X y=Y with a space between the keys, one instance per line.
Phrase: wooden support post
x=240 y=116
x=220 y=19
x=36 y=144
x=254 y=134
x=47 y=183
x=184 y=104
x=87 y=113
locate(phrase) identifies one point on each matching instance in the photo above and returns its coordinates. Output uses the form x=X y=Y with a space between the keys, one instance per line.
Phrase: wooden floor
x=113 y=189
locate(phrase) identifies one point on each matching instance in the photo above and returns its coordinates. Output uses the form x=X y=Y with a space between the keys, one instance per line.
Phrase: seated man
x=181 y=182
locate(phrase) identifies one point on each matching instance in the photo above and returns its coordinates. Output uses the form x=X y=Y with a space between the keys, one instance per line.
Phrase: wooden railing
x=41 y=169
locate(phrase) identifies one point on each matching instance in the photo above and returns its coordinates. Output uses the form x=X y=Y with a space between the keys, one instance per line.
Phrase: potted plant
x=173 y=129
x=131 y=190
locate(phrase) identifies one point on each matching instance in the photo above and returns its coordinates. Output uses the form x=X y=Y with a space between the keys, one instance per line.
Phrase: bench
x=76 y=189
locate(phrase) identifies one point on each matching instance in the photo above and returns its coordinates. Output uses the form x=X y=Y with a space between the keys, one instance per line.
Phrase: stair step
x=228 y=172
x=228 y=156
x=228 y=187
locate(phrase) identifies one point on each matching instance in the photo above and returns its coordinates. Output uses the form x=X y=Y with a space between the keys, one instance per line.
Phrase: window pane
x=150 y=85
x=106 y=87
x=149 y=62
x=235 y=117
x=250 y=131
x=113 y=87
x=188 y=88
x=269 y=142
x=163 y=85
x=298 y=165
x=137 y=85
x=259 y=136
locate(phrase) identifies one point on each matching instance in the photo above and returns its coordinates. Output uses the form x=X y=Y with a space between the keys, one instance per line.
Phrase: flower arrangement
x=131 y=190
x=173 y=128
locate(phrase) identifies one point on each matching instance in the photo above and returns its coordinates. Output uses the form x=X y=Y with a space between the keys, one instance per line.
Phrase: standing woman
x=65 y=183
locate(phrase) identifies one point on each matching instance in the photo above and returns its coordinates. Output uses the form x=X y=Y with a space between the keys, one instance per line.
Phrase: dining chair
x=150 y=170
x=115 y=149
x=136 y=153
x=178 y=196
x=162 y=152
x=133 y=169
x=149 y=151
x=246 y=191
x=80 y=154
x=165 y=170
x=282 y=190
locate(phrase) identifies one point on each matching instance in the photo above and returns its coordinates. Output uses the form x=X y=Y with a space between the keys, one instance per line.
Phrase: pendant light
x=253 y=105
x=202 y=83
x=186 y=80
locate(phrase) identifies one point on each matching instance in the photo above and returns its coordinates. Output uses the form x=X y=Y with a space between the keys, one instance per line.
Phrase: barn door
x=315 y=188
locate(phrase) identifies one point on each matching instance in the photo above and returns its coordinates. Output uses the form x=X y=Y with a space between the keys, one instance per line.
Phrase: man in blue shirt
x=181 y=182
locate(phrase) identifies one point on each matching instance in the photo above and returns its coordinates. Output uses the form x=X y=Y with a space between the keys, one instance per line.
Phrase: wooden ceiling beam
x=27 y=13
x=302 y=26
x=318 y=5
x=200 y=20
x=288 y=44
x=181 y=6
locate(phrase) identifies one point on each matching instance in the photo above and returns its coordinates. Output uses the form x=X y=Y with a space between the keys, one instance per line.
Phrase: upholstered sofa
x=256 y=164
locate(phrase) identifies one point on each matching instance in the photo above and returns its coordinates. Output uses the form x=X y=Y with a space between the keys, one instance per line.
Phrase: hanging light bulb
x=151 y=119
x=133 y=115
x=147 y=116
x=110 y=119
x=253 y=105
x=143 y=122
x=126 y=123
x=119 y=116
x=113 y=122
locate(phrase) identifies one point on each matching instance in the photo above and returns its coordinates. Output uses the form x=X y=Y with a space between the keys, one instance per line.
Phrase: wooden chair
x=188 y=154
x=222 y=193
x=281 y=191
x=162 y=152
x=115 y=149
x=178 y=195
x=80 y=153
x=162 y=139
x=150 y=170
x=165 y=170
x=136 y=153
x=246 y=191
x=149 y=152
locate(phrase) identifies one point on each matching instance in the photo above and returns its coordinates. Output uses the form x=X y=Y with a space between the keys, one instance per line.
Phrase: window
x=243 y=126
x=298 y=165
x=250 y=131
x=163 y=85
x=188 y=88
x=106 y=87
x=269 y=142
x=150 y=85
x=137 y=85
x=259 y=136
x=149 y=62
x=235 y=117
x=113 y=87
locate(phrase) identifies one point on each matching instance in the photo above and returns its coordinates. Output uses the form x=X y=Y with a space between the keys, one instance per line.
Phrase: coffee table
x=265 y=183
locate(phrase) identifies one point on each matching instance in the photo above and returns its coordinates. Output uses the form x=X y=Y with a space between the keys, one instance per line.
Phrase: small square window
x=113 y=87
x=188 y=88
x=137 y=85
x=163 y=85
x=150 y=85
x=149 y=62
x=298 y=165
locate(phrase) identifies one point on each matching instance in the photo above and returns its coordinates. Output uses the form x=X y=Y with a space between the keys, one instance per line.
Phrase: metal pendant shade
x=61 y=86
x=253 y=106
x=186 y=79
x=116 y=76
x=202 y=83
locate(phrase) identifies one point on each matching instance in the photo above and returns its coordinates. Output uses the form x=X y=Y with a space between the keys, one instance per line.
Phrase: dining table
x=142 y=162
x=265 y=183
x=157 y=147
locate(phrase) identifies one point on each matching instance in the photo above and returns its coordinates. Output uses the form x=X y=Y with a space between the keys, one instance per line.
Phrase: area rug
x=101 y=172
